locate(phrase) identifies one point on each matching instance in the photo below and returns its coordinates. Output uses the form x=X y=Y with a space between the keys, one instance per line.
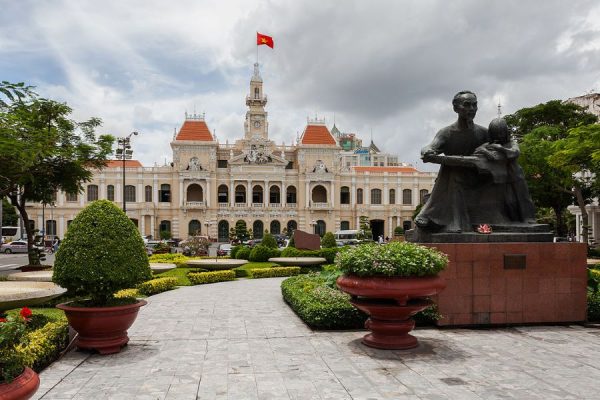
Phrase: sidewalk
x=238 y=340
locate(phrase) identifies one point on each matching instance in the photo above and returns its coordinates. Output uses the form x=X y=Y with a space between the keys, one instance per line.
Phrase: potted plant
x=101 y=254
x=17 y=381
x=391 y=283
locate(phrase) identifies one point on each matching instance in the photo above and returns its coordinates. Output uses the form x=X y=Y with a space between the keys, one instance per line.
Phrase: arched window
x=392 y=196
x=256 y=93
x=240 y=194
x=258 y=229
x=194 y=193
x=223 y=194
x=164 y=194
x=344 y=225
x=148 y=194
x=71 y=197
x=290 y=197
x=344 y=195
x=320 y=228
x=223 y=231
x=194 y=227
x=165 y=226
x=319 y=194
x=50 y=227
x=130 y=193
x=110 y=193
x=92 y=192
x=291 y=226
x=407 y=196
x=422 y=195
x=359 y=196
x=375 y=196
x=274 y=195
x=275 y=228
x=257 y=194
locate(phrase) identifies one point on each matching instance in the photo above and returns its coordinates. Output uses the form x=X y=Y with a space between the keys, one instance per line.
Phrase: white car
x=224 y=249
x=17 y=246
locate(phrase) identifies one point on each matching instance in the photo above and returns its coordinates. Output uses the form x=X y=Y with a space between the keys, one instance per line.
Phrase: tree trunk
x=560 y=224
x=19 y=203
x=584 y=216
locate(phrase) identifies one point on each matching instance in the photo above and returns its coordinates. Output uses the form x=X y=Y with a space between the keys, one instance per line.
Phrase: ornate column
x=332 y=196
x=231 y=193
x=181 y=184
x=248 y=193
x=267 y=193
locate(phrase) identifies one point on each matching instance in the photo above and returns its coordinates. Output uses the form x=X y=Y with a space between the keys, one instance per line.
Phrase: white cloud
x=386 y=66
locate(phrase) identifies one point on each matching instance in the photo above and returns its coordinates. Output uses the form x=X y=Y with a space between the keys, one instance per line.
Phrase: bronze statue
x=479 y=181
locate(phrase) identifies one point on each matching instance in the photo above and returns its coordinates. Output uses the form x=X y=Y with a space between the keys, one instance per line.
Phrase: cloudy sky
x=386 y=67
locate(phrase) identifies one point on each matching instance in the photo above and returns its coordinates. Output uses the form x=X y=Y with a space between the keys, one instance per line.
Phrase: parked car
x=254 y=242
x=16 y=246
x=224 y=249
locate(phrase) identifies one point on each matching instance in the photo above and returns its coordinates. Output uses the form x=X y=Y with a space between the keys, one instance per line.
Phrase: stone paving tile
x=239 y=340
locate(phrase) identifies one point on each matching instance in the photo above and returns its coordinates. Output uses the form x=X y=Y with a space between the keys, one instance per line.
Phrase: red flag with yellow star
x=264 y=39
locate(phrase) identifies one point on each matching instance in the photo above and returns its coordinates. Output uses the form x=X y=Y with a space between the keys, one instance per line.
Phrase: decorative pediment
x=258 y=151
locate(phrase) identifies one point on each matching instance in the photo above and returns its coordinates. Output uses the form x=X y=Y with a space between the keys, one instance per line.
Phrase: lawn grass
x=180 y=273
x=52 y=314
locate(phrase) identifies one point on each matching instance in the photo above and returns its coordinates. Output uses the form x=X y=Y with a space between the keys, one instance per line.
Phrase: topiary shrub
x=329 y=254
x=262 y=253
x=101 y=254
x=234 y=251
x=398 y=231
x=328 y=241
x=243 y=253
x=157 y=285
x=211 y=277
x=290 y=252
x=269 y=241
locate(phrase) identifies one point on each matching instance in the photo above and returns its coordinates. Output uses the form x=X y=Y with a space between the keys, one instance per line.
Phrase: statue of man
x=447 y=209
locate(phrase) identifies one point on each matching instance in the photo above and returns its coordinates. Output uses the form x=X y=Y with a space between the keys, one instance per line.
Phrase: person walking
x=380 y=240
x=55 y=244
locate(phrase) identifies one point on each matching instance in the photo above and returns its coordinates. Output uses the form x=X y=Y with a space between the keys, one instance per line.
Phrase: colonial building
x=314 y=185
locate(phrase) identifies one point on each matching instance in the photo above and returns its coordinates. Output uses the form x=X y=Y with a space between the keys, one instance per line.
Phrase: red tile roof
x=119 y=164
x=317 y=134
x=194 y=130
x=385 y=169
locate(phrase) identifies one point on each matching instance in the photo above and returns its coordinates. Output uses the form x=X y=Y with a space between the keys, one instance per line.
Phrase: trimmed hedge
x=42 y=346
x=234 y=251
x=157 y=285
x=200 y=278
x=320 y=306
x=174 y=258
x=274 y=272
x=593 y=310
x=327 y=253
x=262 y=253
x=328 y=241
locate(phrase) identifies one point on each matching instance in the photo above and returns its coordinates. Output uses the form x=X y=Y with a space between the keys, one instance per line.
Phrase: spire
x=499 y=109
x=256 y=76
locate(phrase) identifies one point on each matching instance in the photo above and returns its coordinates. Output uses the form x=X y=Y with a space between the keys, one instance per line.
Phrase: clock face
x=257 y=124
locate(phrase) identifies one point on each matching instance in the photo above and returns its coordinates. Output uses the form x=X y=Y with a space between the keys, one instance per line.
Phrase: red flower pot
x=102 y=328
x=390 y=303
x=22 y=387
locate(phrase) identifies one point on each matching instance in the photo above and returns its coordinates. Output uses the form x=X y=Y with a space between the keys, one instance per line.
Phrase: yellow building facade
x=210 y=186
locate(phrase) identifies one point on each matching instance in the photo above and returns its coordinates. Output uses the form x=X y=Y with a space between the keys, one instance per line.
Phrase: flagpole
x=257 y=49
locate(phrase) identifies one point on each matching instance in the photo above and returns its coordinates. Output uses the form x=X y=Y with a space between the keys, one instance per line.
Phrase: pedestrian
x=55 y=244
x=380 y=240
x=387 y=239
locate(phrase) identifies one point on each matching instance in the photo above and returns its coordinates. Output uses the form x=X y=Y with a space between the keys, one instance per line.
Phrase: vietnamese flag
x=264 y=39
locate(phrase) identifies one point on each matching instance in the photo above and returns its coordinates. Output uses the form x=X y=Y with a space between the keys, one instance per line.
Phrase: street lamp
x=124 y=153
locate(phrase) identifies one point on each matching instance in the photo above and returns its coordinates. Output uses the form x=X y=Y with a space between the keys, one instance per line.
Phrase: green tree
x=578 y=156
x=365 y=232
x=9 y=214
x=538 y=129
x=42 y=151
x=241 y=232
x=328 y=240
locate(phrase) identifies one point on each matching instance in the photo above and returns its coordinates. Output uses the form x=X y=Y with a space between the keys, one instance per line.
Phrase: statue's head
x=465 y=104
x=498 y=131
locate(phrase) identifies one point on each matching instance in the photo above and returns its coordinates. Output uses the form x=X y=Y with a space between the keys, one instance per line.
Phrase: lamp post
x=124 y=153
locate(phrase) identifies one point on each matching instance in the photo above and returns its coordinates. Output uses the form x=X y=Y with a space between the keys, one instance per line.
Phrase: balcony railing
x=240 y=205
x=319 y=205
x=195 y=204
x=291 y=205
x=258 y=205
x=223 y=205
x=275 y=205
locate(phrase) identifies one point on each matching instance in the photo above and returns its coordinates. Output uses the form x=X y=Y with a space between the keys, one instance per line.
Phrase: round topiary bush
x=243 y=253
x=101 y=254
x=328 y=241
x=263 y=253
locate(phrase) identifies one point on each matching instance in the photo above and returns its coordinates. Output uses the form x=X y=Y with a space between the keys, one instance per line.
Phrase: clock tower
x=256 y=117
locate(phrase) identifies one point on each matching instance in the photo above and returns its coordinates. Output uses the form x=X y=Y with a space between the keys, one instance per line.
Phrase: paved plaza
x=239 y=340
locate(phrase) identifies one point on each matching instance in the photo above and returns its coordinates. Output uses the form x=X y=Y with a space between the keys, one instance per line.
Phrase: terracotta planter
x=390 y=303
x=102 y=328
x=22 y=387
